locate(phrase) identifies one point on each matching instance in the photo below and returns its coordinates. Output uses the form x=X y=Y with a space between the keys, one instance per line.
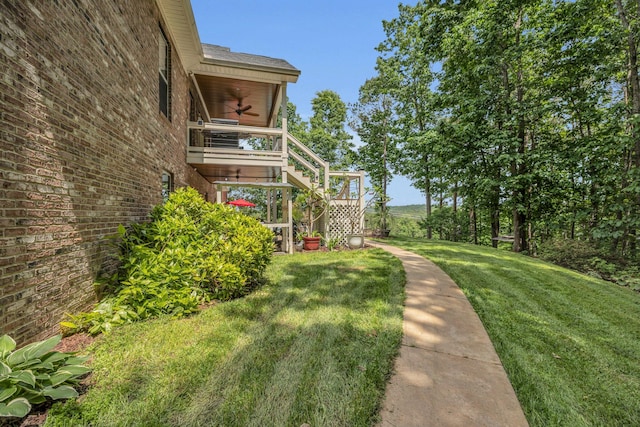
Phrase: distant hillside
x=408 y=211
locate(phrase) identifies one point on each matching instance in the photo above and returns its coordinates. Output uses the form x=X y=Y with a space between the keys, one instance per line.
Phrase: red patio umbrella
x=241 y=203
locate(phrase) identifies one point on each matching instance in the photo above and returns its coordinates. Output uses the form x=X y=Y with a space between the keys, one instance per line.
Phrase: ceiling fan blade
x=249 y=113
x=243 y=109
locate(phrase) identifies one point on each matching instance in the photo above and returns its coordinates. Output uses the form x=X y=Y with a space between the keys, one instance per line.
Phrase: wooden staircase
x=295 y=177
x=316 y=170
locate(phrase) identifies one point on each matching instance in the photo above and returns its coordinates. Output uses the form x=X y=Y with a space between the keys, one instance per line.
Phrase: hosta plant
x=34 y=374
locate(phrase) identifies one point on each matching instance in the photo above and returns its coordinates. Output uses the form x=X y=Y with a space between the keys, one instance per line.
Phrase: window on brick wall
x=164 y=74
x=167 y=185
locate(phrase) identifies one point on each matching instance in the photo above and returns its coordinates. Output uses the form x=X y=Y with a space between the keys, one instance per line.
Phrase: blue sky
x=332 y=42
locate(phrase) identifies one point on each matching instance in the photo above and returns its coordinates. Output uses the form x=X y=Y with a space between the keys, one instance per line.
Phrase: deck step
x=296 y=178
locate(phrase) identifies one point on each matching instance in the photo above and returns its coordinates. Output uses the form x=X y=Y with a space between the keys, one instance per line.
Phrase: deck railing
x=227 y=142
x=222 y=143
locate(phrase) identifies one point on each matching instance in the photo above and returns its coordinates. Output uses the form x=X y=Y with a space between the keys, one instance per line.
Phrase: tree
x=327 y=136
x=528 y=111
x=295 y=125
x=628 y=216
x=404 y=70
x=373 y=120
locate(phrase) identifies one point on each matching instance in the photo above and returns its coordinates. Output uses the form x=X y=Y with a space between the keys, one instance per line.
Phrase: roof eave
x=181 y=25
x=292 y=73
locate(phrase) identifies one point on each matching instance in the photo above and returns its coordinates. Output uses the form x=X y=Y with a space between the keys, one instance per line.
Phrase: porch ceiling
x=238 y=173
x=222 y=96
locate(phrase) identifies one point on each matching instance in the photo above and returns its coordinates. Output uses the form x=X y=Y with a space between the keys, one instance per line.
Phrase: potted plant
x=311 y=241
x=355 y=234
x=314 y=204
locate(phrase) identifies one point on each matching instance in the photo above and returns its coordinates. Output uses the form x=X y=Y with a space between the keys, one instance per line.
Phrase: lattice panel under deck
x=341 y=217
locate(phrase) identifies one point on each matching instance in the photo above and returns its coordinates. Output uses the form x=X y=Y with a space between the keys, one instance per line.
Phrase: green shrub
x=35 y=372
x=191 y=251
x=584 y=257
x=574 y=254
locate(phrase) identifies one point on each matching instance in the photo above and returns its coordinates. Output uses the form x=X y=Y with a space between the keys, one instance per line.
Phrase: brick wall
x=83 y=148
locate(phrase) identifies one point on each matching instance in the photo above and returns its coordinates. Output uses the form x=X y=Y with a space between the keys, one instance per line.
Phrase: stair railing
x=322 y=171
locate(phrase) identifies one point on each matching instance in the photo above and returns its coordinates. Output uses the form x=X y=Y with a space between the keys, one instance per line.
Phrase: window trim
x=164 y=75
x=167 y=185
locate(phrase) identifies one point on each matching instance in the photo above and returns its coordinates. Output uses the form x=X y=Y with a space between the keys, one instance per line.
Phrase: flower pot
x=311 y=243
x=355 y=241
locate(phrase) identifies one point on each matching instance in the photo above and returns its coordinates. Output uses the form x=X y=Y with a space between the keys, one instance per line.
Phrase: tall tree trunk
x=441 y=231
x=455 y=198
x=473 y=225
x=456 y=232
x=385 y=178
x=518 y=169
x=633 y=82
x=427 y=193
x=494 y=208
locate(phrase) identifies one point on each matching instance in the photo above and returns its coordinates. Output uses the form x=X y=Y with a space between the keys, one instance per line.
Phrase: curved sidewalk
x=447 y=372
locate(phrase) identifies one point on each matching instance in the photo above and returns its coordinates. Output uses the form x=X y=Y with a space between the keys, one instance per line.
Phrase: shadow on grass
x=569 y=342
x=314 y=345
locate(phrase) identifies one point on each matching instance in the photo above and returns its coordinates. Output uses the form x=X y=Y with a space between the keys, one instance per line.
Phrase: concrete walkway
x=447 y=373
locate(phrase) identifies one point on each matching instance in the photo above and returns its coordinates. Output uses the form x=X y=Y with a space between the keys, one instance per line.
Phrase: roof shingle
x=220 y=53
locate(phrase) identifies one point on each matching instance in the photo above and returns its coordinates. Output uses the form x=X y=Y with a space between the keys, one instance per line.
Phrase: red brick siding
x=83 y=148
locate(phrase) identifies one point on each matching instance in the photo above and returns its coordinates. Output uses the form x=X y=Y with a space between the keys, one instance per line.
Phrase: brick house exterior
x=84 y=148
x=105 y=106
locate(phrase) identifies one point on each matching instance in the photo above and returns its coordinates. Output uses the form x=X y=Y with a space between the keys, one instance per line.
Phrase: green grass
x=315 y=345
x=570 y=343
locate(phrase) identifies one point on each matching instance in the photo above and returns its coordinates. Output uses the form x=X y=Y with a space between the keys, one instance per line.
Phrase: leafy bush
x=629 y=277
x=574 y=254
x=35 y=372
x=191 y=251
x=447 y=224
x=586 y=258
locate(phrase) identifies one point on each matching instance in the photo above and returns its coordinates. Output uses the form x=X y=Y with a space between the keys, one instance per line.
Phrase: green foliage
x=408 y=227
x=447 y=223
x=327 y=135
x=522 y=111
x=332 y=243
x=373 y=120
x=574 y=254
x=314 y=203
x=192 y=251
x=35 y=372
x=314 y=233
x=583 y=256
x=629 y=277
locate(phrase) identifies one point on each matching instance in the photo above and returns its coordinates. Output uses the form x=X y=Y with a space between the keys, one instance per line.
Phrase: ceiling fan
x=243 y=109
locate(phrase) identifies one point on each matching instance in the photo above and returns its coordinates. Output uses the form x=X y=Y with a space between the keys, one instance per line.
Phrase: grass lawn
x=315 y=345
x=569 y=343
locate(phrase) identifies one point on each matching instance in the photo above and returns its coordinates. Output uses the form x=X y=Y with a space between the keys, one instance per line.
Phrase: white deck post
x=285 y=133
x=218 y=194
x=289 y=236
x=269 y=196
x=287 y=204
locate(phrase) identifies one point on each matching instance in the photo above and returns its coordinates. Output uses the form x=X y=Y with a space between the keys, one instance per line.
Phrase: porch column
x=269 y=196
x=285 y=132
x=288 y=192
x=218 y=193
